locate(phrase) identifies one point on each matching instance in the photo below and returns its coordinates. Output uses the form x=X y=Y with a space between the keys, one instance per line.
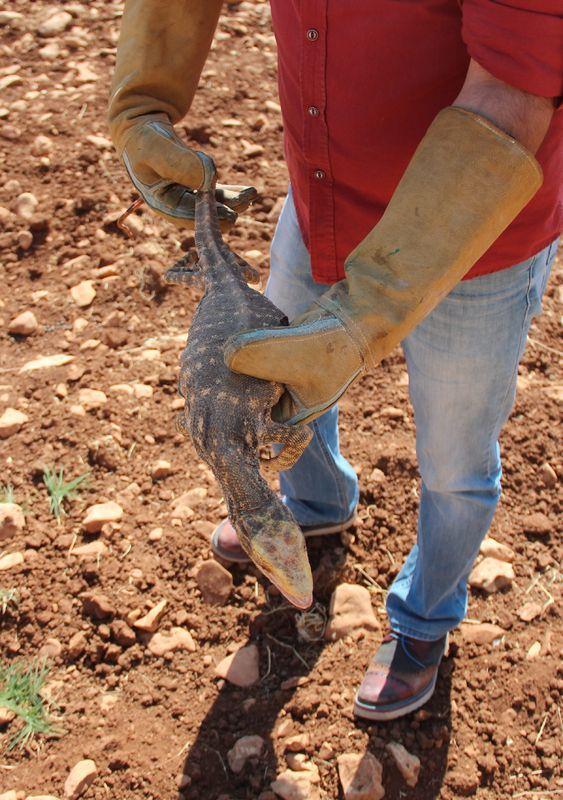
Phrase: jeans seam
x=330 y=463
x=521 y=341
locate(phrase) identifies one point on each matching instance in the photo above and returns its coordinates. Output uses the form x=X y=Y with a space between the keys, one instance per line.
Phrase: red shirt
x=360 y=81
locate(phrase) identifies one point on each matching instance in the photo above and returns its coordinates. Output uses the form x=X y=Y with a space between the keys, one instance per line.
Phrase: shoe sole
x=396 y=710
x=308 y=533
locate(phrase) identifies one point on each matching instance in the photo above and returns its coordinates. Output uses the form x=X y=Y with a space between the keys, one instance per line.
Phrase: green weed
x=7 y=493
x=20 y=692
x=9 y=599
x=61 y=491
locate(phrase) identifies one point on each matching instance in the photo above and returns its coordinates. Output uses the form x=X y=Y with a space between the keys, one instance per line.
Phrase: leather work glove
x=162 y=48
x=464 y=185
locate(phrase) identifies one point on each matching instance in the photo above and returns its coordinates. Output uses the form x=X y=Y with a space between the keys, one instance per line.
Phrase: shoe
x=401 y=677
x=225 y=544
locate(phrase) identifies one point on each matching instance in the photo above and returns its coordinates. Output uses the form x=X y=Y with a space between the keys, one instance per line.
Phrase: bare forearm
x=524 y=116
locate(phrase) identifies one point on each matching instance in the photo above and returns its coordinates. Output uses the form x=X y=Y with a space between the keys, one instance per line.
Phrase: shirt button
x=312 y=34
x=319 y=174
x=313 y=111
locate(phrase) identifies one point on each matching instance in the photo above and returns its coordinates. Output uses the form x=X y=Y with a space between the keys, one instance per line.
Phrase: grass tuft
x=7 y=493
x=61 y=491
x=20 y=692
x=9 y=600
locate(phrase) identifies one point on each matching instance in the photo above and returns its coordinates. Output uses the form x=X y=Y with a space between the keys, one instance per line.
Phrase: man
x=416 y=135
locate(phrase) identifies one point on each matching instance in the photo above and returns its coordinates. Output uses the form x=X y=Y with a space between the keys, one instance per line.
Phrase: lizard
x=228 y=415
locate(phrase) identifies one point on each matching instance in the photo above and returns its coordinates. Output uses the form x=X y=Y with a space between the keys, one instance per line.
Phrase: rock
x=150 y=622
x=101 y=142
x=490 y=548
x=360 y=776
x=26 y=205
x=177 y=639
x=10 y=795
x=97 y=606
x=100 y=514
x=350 y=609
x=12 y=520
x=161 y=469
x=51 y=648
x=91 y=398
x=250 y=150
x=50 y=51
x=54 y=24
x=271 y=105
x=11 y=560
x=214 y=582
x=25 y=239
x=483 y=633
x=407 y=763
x=11 y=421
x=241 y=668
x=548 y=475
x=491 y=575
x=41 y=146
x=6 y=17
x=77 y=645
x=291 y=785
x=24 y=324
x=297 y=743
x=122 y=634
x=40 y=797
x=326 y=751
x=44 y=362
x=534 y=651
x=526 y=613
x=90 y=550
x=156 y=535
x=284 y=728
x=80 y=778
x=142 y=391
x=83 y=293
x=6 y=716
x=244 y=748
x=299 y=762
x=537 y=524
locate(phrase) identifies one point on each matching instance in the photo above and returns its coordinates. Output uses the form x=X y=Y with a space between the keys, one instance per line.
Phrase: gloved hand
x=464 y=185
x=161 y=51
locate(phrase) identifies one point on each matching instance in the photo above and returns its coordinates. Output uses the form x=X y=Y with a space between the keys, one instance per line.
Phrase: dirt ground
x=493 y=728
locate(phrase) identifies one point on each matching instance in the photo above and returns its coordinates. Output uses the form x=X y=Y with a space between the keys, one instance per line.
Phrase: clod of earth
x=228 y=415
x=350 y=610
x=12 y=520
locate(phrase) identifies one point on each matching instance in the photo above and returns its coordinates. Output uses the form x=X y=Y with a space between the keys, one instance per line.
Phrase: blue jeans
x=462 y=362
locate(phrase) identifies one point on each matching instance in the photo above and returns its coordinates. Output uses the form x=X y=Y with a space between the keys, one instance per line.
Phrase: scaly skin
x=228 y=415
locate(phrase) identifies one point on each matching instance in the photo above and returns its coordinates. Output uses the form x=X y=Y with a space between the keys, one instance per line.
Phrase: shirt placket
x=322 y=242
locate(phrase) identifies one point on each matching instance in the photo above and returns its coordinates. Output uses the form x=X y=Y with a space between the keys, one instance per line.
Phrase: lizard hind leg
x=293 y=438
x=185 y=271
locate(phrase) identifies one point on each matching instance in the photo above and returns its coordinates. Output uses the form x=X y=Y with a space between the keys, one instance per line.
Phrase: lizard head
x=275 y=543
